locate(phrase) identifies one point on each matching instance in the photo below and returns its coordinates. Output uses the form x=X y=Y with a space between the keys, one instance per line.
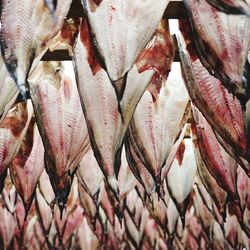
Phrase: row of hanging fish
x=117 y=154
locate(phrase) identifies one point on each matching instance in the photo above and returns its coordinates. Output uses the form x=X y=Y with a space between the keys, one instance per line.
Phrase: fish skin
x=219 y=163
x=215 y=191
x=120 y=20
x=62 y=156
x=20 y=43
x=28 y=165
x=215 y=33
x=157 y=55
x=101 y=108
x=44 y=211
x=137 y=166
x=12 y=131
x=231 y=7
x=183 y=169
x=90 y=176
x=8 y=91
x=7 y=227
x=155 y=126
x=221 y=109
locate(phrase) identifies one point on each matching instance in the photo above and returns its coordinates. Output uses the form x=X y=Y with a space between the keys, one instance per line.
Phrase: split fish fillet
x=137 y=167
x=155 y=125
x=180 y=177
x=232 y=6
x=221 y=109
x=216 y=192
x=12 y=132
x=90 y=177
x=61 y=124
x=26 y=27
x=122 y=29
x=28 y=165
x=8 y=90
x=106 y=123
x=223 y=43
x=7 y=226
x=219 y=163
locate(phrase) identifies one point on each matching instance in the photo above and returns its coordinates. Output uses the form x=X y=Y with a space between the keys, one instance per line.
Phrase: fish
x=218 y=162
x=184 y=170
x=218 y=194
x=220 y=108
x=7 y=227
x=223 y=43
x=27 y=167
x=158 y=55
x=26 y=27
x=12 y=132
x=138 y=168
x=232 y=7
x=8 y=91
x=44 y=210
x=90 y=176
x=116 y=39
x=101 y=108
x=155 y=126
x=61 y=123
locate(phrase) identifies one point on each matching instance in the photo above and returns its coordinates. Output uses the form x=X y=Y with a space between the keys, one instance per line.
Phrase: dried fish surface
x=107 y=121
x=232 y=6
x=122 y=29
x=180 y=177
x=223 y=43
x=156 y=124
x=221 y=109
x=26 y=27
x=219 y=163
x=28 y=165
x=218 y=194
x=8 y=91
x=12 y=132
x=61 y=124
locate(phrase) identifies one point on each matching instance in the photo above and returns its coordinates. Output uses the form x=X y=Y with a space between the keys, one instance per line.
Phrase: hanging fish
x=7 y=227
x=183 y=171
x=8 y=91
x=221 y=109
x=90 y=176
x=12 y=132
x=138 y=168
x=232 y=6
x=216 y=192
x=26 y=27
x=100 y=105
x=28 y=165
x=156 y=124
x=220 y=164
x=223 y=43
x=121 y=30
x=61 y=124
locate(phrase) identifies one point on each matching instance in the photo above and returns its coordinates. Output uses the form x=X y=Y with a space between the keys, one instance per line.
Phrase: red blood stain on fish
x=69 y=30
x=158 y=54
x=15 y=123
x=186 y=31
x=67 y=88
x=26 y=147
x=180 y=153
x=97 y=2
x=85 y=39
